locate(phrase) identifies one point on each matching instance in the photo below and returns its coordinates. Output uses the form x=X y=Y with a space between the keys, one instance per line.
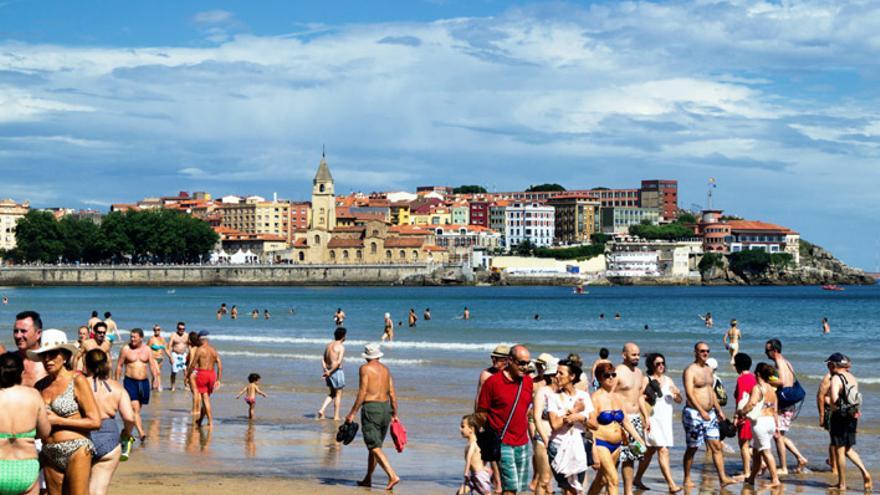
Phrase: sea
x=435 y=364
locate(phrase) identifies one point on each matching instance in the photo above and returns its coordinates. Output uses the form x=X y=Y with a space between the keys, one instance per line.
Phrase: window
x=387 y=254
x=332 y=255
x=402 y=254
x=372 y=248
x=345 y=254
x=360 y=254
x=302 y=256
x=321 y=189
x=317 y=240
x=415 y=255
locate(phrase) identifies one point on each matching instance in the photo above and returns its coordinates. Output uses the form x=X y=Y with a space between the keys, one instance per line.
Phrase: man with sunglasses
x=701 y=414
x=26 y=333
x=99 y=341
x=504 y=400
x=630 y=388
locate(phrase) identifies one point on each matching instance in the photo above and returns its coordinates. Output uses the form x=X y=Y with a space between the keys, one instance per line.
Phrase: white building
x=634 y=257
x=463 y=241
x=10 y=212
x=618 y=220
x=531 y=222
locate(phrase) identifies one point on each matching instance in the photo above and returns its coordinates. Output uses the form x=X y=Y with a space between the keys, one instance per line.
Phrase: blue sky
x=105 y=102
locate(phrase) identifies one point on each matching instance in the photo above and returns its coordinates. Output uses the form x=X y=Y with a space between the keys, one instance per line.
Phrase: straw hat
x=712 y=363
x=551 y=367
x=501 y=351
x=372 y=351
x=52 y=339
x=544 y=358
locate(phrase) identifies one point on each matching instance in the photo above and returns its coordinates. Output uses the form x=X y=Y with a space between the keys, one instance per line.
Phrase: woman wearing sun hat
x=67 y=454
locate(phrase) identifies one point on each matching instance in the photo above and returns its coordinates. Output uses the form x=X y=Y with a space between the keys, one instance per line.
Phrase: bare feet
x=641 y=486
x=869 y=485
x=335 y=418
x=780 y=472
x=802 y=465
x=675 y=489
x=365 y=482
x=688 y=483
x=773 y=484
x=728 y=481
x=320 y=415
x=391 y=483
x=838 y=487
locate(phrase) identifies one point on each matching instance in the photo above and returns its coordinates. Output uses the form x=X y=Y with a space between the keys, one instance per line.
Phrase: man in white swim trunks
x=179 y=347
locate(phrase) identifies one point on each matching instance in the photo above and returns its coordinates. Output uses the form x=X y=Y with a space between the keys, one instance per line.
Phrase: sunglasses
x=522 y=364
x=609 y=375
x=100 y=333
x=703 y=351
x=48 y=355
x=660 y=363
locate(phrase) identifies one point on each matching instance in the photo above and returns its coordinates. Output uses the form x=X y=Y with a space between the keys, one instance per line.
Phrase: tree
x=686 y=217
x=471 y=189
x=667 y=232
x=709 y=261
x=38 y=238
x=599 y=238
x=545 y=188
x=571 y=253
x=524 y=248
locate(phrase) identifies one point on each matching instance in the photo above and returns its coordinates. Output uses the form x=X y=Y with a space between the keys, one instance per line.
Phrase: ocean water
x=436 y=364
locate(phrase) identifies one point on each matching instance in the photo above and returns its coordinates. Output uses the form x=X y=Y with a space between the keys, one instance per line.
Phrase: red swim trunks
x=205 y=381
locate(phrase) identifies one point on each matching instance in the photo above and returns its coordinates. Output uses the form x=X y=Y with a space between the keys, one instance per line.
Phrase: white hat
x=52 y=339
x=551 y=367
x=712 y=363
x=372 y=351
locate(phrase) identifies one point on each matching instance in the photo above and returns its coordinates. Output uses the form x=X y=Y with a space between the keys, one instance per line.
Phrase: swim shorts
x=696 y=429
x=843 y=430
x=375 y=419
x=626 y=455
x=336 y=380
x=138 y=390
x=178 y=362
x=514 y=466
x=205 y=381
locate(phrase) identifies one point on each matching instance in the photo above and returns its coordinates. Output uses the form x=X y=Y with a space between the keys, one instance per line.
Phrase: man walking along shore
x=334 y=376
x=377 y=401
x=204 y=360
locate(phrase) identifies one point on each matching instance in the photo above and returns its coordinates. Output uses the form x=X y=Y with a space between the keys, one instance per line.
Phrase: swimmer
x=731 y=339
x=467 y=314
x=5 y=300
x=647 y=327
x=112 y=330
x=250 y=392
x=616 y=316
x=255 y=314
x=427 y=314
x=412 y=317
x=707 y=320
x=826 y=328
x=537 y=317
x=388 y=333
x=339 y=317
x=233 y=313
x=160 y=351
x=601 y=316
x=266 y=314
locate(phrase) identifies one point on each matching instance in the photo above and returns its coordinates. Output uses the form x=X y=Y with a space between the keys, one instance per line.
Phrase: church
x=369 y=241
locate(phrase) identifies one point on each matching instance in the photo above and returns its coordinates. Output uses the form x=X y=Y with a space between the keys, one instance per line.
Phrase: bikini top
x=608 y=417
x=65 y=405
x=156 y=347
x=106 y=386
x=13 y=436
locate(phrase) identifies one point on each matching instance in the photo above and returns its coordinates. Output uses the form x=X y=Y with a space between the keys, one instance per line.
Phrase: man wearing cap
x=26 y=333
x=138 y=362
x=843 y=423
x=378 y=403
x=203 y=361
x=504 y=402
x=499 y=361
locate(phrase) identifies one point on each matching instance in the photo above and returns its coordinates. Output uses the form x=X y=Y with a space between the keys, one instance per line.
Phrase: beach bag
x=720 y=392
x=489 y=440
x=653 y=391
x=755 y=413
x=790 y=396
x=398 y=434
x=346 y=433
x=726 y=429
x=850 y=401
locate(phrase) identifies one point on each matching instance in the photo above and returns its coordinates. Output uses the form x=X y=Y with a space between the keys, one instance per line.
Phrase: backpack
x=850 y=400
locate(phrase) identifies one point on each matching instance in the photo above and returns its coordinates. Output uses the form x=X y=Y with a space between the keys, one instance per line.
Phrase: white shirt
x=560 y=403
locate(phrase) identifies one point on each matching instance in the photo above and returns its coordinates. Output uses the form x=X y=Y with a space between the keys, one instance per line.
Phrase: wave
x=450 y=346
x=869 y=380
x=317 y=357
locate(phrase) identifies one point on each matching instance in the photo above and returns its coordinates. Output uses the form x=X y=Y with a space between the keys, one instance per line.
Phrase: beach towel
x=398 y=434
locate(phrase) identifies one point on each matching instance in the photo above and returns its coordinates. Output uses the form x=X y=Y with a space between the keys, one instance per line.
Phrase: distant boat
x=172 y=291
x=832 y=287
x=579 y=291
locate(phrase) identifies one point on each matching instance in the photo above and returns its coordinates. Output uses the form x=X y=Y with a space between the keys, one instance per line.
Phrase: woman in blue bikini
x=609 y=422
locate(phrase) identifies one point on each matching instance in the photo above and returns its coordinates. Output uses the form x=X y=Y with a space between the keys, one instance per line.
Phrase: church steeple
x=323 y=197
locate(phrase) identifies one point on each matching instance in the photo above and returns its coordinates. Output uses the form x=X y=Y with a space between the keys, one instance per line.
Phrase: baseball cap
x=204 y=333
x=838 y=358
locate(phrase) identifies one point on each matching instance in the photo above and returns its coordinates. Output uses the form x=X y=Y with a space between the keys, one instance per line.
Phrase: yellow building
x=367 y=241
x=10 y=213
x=400 y=214
x=257 y=217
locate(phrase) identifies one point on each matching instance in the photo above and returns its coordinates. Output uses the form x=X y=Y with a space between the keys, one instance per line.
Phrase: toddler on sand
x=250 y=392
x=477 y=476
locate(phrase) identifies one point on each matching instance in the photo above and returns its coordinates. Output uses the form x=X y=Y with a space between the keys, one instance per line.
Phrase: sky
x=105 y=102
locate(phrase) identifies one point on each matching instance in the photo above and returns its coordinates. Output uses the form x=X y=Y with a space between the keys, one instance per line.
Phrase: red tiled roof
x=301 y=242
x=404 y=242
x=349 y=229
x=430 y=247
x=755 y=225
x=341 y=242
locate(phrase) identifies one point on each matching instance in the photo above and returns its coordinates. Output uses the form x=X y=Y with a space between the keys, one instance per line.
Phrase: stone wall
x=213 y=275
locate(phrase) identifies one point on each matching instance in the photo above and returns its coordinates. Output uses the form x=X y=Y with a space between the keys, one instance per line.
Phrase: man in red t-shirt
x=496 y=401
x=744 y=384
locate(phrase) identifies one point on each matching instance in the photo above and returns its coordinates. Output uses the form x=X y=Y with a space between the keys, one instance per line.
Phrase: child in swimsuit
x=477 y=475
x=250 y=392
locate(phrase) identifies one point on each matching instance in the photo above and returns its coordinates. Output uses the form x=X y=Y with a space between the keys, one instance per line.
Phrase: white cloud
x=212 y=16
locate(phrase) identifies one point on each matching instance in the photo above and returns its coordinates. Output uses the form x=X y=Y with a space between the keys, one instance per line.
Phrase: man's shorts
x=336 y=380
x=205 y=381
x=514 y=465
x=696 y=429
x=138 y=390
x=178 y=362
x=626 y=455
x=786 y=416
x=375 y=419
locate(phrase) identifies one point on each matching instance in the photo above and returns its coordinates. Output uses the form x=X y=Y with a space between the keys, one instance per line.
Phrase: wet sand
x=285 y=450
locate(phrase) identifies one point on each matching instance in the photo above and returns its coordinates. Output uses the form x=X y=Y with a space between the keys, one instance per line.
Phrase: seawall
x=213 y=275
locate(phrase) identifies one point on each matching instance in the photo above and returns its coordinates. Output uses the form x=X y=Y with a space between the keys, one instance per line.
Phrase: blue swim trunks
x=138 y=390
x=336 y=380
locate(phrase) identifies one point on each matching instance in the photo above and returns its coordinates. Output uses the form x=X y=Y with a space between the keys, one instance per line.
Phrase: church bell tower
x=323 y=198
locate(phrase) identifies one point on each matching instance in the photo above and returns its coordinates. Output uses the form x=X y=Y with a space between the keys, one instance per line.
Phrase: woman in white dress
x=659 y=438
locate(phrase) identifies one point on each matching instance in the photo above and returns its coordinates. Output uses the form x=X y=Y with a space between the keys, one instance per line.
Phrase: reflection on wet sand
x=250 y=447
